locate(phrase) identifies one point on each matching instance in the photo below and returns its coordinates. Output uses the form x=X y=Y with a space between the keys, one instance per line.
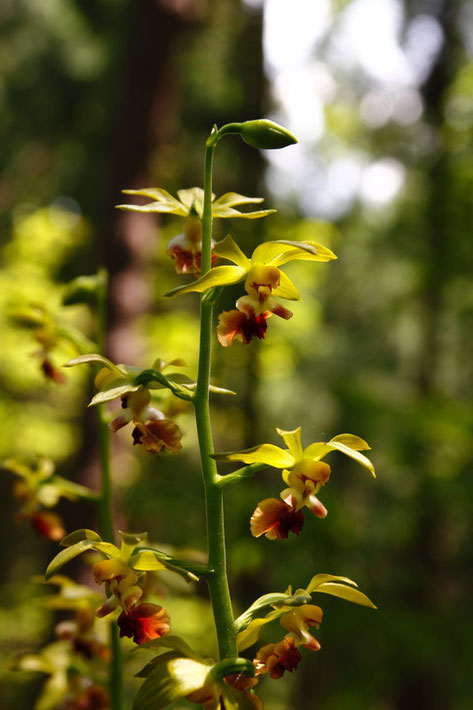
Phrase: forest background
x=101 y=96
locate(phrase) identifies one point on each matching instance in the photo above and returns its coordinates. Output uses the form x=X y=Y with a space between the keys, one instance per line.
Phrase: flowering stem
x=217 y=582
x=105 y=498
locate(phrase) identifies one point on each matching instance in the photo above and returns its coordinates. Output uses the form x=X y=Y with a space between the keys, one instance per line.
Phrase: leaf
x=218 y=276
x=68 y=554
x=264 y=453
x=229 y=249
x=78 y=536
x=171 y=680
x=95 y=358
x=344 y=592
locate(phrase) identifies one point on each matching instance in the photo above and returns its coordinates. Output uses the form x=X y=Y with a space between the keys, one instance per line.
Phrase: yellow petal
x=286 y=289
x=292 y=440
x=232 y=199
x=218 y=276
x=265 y=453
x=354 y=442
x=229 y=249
x=318 y=450
x=305 y=251
x=251 y=634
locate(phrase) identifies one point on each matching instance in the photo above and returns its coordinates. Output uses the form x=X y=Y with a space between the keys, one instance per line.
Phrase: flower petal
x=240 y=325
x=228 y=212
x=264 y=453
x=144 y=623
x=305 y=251
x=275 y=519
x=229 y=249
x=286 y=289
x=292 y=439
x=354 y=442
x=193 y=197
x=156 y=435
x=276 y=658
x=218 y=276
x=233 y=199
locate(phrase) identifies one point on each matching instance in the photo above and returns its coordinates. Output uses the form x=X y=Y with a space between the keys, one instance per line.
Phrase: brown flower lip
x=145 y=622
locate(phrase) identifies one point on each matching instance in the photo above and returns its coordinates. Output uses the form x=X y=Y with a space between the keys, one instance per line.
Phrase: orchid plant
x=177 y=671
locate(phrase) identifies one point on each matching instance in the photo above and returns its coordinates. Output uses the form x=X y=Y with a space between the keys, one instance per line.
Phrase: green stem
x=217 y=582
x=105 y=499
x=241 y=474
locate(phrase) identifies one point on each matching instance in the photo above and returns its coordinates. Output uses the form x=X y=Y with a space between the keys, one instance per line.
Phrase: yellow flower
x=303 y=472
x=261 y=273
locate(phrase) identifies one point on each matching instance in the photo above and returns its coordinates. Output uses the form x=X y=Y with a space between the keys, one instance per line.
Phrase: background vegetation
x=101 y=96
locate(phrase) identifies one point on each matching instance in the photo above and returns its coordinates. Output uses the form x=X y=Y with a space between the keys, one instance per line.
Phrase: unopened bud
x=262 y=133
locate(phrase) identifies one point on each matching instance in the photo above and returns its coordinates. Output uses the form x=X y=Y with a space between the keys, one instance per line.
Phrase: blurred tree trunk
x=428 y=688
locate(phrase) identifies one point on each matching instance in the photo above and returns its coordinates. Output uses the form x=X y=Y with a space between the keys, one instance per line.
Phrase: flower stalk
x=217 y=582
x=105 y=498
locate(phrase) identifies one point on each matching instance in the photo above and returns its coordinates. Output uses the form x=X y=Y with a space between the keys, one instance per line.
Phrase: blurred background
x=116 y=94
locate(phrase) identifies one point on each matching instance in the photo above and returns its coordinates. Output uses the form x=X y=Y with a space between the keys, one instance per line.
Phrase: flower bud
x=262 y=133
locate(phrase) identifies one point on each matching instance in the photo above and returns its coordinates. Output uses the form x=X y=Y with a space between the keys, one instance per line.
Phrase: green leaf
x=78 y=536
x=218 y=276
x=67 y=555
x=265 y=134
x=229 y=249
x=96 y=358
x=264 y=453
x=344 y=592
x=171 y=680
